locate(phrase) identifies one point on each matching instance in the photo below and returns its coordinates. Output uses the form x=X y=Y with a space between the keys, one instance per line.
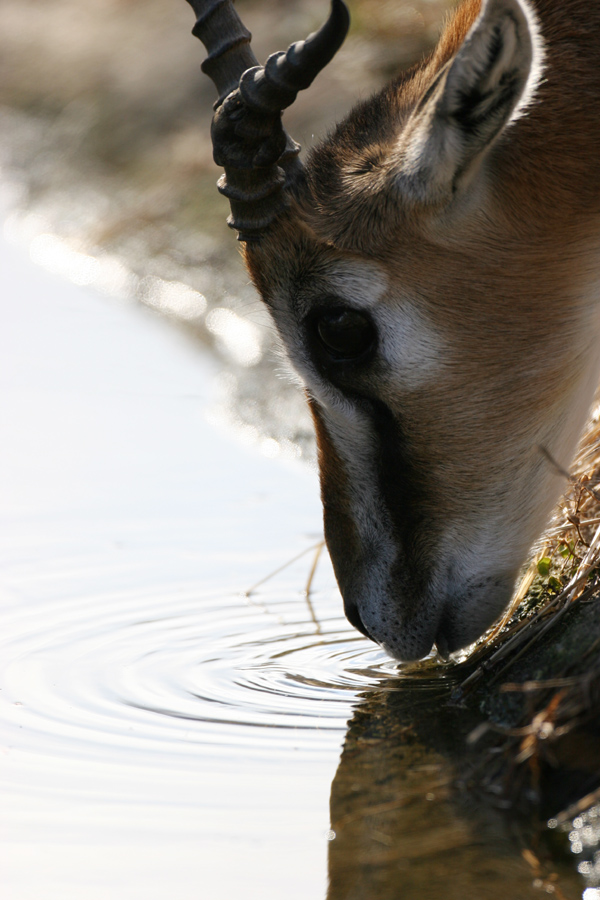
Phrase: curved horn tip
x=339 y=20
x=339 y=9
x=337 y=24
x=321 y=46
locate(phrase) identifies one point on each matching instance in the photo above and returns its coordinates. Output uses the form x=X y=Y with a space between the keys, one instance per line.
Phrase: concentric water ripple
x=179 y=670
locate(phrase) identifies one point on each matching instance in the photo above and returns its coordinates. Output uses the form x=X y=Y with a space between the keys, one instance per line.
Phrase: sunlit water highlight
x=152 y=716
x=162 y=733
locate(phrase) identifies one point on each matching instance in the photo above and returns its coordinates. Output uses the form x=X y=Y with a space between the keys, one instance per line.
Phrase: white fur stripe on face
x=412 y=346
x=408 y=340
x=361 y=283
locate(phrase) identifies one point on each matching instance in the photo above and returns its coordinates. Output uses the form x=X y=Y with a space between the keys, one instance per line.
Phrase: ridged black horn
x=275 y=86
x=227 y=41
x=259 y=159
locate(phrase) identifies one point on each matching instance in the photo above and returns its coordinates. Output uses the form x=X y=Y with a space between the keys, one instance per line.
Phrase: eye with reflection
x=343 y=334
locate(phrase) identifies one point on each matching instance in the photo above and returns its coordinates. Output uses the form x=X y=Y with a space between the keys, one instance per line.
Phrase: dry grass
x=526 y=671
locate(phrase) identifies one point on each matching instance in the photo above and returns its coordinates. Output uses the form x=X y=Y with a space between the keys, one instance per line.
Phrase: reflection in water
x=399 y=825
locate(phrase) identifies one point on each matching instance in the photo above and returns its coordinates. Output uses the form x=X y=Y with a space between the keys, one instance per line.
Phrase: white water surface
x=161 y=734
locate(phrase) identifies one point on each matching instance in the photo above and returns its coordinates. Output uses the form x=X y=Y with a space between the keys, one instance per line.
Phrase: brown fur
x=541 y=165
x=506 y=272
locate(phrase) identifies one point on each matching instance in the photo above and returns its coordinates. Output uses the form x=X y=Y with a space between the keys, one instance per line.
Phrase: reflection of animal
x=432 y=272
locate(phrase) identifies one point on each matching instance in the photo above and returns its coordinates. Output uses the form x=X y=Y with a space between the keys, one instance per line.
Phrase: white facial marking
x=362 y=284
x=408 y=340
x=411 y=344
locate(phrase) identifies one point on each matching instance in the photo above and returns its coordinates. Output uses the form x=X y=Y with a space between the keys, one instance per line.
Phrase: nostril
x=442 y=645
x=444 y=637
x=353 y=616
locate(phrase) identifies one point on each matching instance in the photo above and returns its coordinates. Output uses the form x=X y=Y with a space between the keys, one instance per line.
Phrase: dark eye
x=345 y=333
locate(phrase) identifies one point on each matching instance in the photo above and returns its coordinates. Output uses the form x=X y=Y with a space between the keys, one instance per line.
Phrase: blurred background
x=152 y=702
x=106 y=166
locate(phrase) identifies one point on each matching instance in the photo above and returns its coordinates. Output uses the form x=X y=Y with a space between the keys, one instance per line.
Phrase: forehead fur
x=347 y=174
x=286 y=257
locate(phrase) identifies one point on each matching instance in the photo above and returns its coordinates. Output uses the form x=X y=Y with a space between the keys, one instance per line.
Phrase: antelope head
x=428 y=272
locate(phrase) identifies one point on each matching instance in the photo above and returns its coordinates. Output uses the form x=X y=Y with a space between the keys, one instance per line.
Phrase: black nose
x=353 y=616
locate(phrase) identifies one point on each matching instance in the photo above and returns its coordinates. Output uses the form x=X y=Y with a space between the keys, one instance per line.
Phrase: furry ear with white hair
x=487 y=84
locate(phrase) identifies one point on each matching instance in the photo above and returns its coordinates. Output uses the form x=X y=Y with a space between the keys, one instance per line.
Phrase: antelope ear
x=477 y=94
